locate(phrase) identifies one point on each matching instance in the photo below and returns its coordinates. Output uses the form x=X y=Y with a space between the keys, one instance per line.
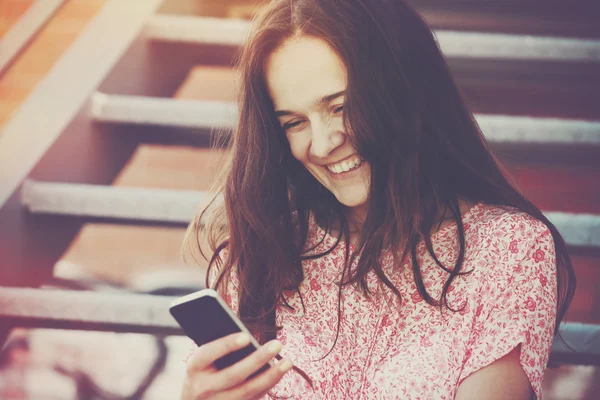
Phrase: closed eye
x=290 y=125
x=338 y=109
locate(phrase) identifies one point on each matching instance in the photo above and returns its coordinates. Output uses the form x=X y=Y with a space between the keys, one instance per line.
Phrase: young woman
x=367 y=227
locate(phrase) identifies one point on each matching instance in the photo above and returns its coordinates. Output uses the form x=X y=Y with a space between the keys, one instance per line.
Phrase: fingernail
x=274 y=347
x=285 y=365
x=242 y=339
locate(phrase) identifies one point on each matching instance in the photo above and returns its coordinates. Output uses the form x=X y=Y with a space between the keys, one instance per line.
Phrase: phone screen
x=204 y=319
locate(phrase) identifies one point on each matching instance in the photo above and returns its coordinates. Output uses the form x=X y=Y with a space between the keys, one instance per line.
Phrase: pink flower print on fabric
x=411 y=350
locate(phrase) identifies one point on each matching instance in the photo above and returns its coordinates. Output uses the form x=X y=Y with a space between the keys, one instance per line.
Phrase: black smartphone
x=204 y=317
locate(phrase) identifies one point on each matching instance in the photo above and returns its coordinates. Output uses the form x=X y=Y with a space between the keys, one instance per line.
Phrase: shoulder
x=508 y=244
x=500 y=218
x=507 y=228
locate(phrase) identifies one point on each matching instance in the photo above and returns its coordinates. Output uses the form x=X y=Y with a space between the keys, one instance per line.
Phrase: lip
x=346 y=175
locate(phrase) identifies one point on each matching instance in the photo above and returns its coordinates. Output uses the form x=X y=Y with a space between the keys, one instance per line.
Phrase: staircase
x=109 y=157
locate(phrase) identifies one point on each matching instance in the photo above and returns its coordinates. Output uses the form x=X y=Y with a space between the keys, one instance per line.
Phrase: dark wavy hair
x=408 y=119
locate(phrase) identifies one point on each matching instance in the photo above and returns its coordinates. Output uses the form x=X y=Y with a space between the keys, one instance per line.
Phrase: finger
x=205 y=355
x=262 y=383
x=240 y=371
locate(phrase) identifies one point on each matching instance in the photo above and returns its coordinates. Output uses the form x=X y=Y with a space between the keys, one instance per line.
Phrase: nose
x=326 y=137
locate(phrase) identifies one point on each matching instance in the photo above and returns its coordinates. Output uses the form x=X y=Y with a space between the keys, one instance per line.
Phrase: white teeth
x=346 y=165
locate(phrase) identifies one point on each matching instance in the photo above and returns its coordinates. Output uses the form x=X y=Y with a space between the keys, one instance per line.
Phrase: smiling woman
x=367 y=226
x=307 y=84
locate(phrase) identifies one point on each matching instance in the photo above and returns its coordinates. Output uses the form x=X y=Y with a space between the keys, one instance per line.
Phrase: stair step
x=124 y=253
x=517 y=129
x=179 y=206
x=160 y=205
x=233 y=32
x=171 y=167
x=88 y=310
x=192 y=29
x=205 y=114
x=554 y=18
x=577 y=229
x=208 y=82
x=133 y=313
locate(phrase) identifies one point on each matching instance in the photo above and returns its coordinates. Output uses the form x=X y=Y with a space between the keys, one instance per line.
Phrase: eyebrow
x=318 y=103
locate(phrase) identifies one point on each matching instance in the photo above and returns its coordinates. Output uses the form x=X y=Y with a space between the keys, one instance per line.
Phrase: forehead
x=302 y=70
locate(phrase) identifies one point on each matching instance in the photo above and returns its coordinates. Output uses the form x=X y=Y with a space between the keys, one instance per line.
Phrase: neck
x=356 y=217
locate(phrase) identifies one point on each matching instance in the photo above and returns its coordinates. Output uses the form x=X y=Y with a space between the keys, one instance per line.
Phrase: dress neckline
x=328 y=238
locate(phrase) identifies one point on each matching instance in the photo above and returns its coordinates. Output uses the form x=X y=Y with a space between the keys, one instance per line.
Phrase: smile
x=346 y=165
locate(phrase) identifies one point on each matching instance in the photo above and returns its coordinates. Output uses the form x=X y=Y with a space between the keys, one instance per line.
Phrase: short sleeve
x=516 y=301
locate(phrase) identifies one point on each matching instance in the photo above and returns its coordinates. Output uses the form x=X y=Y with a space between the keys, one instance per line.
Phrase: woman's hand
x=204 y=381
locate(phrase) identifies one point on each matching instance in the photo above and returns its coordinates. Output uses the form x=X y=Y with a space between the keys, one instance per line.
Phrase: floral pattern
x=392 y=349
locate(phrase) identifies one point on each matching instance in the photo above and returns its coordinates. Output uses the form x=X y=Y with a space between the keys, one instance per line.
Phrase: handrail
x=21 y=33
x=35 y=126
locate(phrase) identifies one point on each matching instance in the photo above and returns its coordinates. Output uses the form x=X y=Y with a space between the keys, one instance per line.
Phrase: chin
x=352 y=201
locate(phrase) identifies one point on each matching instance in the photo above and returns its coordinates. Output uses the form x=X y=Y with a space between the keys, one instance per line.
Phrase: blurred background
x=108 y=109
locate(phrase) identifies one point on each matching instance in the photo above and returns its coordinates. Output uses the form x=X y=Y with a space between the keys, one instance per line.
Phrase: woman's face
x=307 y=83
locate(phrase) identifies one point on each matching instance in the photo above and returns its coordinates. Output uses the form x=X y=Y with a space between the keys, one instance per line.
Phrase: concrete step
x=203 y=114
x=174 y=206
x=126 y=254
x=207 y=115
x=114 y=202
x=233 y=32
x=140 y=313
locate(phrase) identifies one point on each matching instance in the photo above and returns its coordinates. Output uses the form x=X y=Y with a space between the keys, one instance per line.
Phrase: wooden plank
x=123 y=254
x=560 y=187
x=584 y=307
x=208 y=82
x=171 y=167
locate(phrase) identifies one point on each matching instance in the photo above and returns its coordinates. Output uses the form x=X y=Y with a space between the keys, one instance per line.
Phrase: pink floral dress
x=411 y=350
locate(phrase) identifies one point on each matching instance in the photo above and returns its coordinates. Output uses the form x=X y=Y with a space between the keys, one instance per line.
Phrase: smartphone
x=205 y=316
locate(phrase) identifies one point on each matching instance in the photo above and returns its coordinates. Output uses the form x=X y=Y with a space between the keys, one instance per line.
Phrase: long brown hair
x=408 y=120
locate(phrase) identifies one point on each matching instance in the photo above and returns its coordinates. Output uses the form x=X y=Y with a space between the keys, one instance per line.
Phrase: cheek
x=299 y=146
